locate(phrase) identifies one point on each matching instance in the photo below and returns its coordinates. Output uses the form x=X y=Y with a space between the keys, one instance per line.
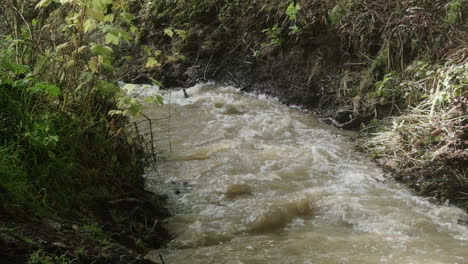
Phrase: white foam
x=312 y=197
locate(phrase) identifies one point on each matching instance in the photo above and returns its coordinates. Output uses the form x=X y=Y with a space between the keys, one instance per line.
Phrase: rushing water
x=261 y=182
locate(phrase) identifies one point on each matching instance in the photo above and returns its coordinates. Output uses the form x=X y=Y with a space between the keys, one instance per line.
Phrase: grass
x=14 y=182
x=40 y=257
x=340 y=12
x=454 y=12
x=97 y=233
x=428 y=141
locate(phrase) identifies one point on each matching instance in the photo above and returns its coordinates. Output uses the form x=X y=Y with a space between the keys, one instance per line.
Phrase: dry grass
x=428 y=143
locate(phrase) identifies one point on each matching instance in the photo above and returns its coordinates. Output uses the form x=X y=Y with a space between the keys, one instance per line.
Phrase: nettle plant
x=275 y=36
x=292 y=12
x=95 y=32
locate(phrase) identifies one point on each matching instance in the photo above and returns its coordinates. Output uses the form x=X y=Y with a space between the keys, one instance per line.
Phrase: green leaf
x=157 y=53
x=169 y=32
x=43 y=3
x=156 y=82
x=97 y=15
x=89 y=25
x=154 y=99
x=101 y=50
x=292 y=11
x=108 y=66
x=125 y=35
x=115 y=112
x=110 y=38
x=106 y=88
x=182 y=33
x=23 y=83
x=127 y=17
x=147 y=49
x=16 y=68
x=101 y=5
x=135 y=109
x=41 y=134
x=152 y=63
x=130 y=106
x=134 y=30
x=117 y=31
x=45 y=88
x=86 y=77
x=293 y=30
x=109 y=18
x=93 y=64
x=70 y=63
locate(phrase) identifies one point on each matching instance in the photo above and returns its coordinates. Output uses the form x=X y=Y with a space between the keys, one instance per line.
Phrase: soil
x=296 y=79
x=309 y=75
x=121 y=231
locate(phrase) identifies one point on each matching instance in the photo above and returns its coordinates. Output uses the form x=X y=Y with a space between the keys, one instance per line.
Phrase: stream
x=252 y=181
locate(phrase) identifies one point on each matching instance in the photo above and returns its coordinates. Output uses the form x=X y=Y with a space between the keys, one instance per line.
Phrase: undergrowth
x=432 y=135
x=65 y=142
x=40 y=257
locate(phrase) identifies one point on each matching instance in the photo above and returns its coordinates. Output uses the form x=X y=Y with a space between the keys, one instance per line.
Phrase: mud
x=119 y=231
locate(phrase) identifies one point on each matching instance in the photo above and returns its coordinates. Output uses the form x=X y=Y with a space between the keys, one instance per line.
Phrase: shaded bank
x=100 y=240
x=70 y=168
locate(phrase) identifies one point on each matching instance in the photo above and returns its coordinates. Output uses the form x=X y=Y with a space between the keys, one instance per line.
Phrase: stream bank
x=33 y=239
x=119 y=231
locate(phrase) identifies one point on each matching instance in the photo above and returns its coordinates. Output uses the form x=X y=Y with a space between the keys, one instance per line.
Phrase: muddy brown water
x=261 y=182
